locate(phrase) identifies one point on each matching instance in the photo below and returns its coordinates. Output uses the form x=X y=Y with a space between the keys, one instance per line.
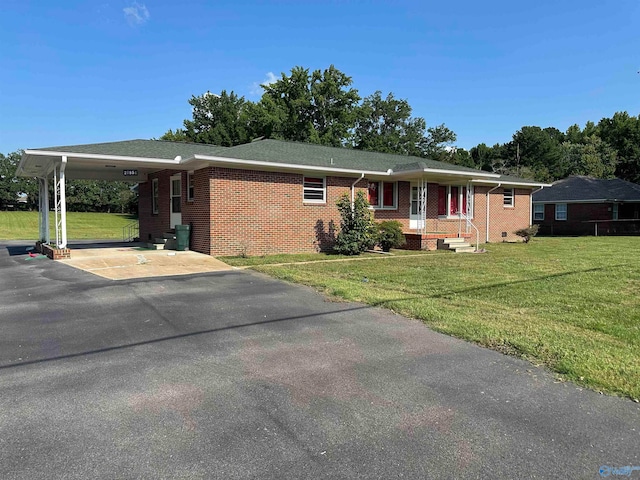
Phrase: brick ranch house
x=272 y=196
x=581 y=205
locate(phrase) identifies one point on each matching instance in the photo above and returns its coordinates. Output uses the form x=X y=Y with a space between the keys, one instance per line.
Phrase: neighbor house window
x=508 y=197
x=382 y=194
x=538 y=211
x=314 y=189
x=453 y=200
x=561 y=211
x=190 y=187
x=154 y=195
x=615 y=211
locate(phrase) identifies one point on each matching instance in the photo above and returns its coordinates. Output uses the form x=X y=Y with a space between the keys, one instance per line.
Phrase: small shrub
x=527 y=233
x=390 y=235
x=357 y=232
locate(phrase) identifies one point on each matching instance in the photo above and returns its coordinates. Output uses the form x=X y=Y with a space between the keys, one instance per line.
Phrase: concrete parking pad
x=126 y=262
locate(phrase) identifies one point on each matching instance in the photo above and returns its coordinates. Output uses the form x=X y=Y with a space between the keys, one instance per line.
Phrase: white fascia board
x=284 y=166
x=422 y=171
x=515 y=184
x=95 y=156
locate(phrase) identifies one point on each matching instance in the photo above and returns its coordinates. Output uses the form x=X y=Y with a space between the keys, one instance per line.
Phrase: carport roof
x=141 y=148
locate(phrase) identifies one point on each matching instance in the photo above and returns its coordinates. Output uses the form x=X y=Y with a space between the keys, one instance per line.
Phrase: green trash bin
x=182 y=237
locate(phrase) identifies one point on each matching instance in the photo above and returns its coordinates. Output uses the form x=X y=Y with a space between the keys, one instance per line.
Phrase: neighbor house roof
x=588 y=189
x=153 y=155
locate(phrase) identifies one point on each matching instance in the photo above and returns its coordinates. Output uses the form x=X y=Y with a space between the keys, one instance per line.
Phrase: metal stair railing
x=469 y=223
x=130 y=231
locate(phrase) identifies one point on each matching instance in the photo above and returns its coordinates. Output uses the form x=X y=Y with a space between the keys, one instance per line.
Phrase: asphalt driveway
x=236 y=375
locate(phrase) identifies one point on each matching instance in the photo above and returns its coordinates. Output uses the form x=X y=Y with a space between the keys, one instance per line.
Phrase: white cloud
x=256 y=89
x=136 y=13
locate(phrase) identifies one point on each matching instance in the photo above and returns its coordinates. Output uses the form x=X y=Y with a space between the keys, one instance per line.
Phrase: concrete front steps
x=167 y=242
x=458 y=245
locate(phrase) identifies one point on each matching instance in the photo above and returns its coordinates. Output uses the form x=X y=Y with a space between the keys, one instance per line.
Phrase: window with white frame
x=455 y=199
x=154 y=196
x=538 y=211
x=190 y=187
x=561 y=211
x=416 y=200
x=314 y=189
x=616 y=207
x=382 y=194
x=508 y=199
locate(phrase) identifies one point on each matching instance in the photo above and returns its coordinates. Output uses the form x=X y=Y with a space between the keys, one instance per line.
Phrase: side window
x=508 y=197
x=382 y=194
x=190 y=187
x=561 y=211
x=314 y=189
x=538 y=211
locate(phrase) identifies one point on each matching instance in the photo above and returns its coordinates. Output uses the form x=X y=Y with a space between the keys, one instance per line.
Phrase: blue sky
x=76 y=72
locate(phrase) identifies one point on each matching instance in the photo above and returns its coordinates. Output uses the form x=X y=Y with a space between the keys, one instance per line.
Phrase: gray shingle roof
x=141 y=148
x=275 y=151
x=298 y=153
x=582 y=188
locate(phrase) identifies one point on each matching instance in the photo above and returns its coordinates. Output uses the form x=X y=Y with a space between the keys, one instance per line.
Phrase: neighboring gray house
x=580 y=205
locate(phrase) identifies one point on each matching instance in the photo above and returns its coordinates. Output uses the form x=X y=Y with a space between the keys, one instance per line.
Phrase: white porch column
x=63 y=204
x=43 y=217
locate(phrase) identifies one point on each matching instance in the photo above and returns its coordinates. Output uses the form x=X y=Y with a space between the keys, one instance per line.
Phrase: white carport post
x=61 y=205
x=43 y=197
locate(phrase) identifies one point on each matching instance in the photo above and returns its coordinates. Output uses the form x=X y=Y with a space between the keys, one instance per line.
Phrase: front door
x=176 y=200
x=416 y=221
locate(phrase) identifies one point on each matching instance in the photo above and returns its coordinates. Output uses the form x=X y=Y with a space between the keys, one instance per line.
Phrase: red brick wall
x=507 y=219
x=577 y=214
x=196 y=213
x=258 y=213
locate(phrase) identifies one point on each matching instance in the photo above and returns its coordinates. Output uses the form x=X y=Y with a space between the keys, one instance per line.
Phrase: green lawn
x=24 y=225
x=572 y=304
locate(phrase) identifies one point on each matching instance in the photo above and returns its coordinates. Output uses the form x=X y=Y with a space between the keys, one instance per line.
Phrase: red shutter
x=464 y=200
x=454 y=201
x=387 y=194
x=442 y=200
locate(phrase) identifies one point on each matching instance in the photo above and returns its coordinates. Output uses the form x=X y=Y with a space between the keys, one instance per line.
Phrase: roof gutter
x=487 y=222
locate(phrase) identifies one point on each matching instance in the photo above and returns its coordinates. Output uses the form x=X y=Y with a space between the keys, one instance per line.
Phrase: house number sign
x=130 y=173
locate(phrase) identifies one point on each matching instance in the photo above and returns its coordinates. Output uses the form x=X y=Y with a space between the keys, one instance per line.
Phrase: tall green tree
x=316 y=107
x=217 y=119
x=622 y=132
x=386 y=125
x=594 y=158
x=319 y=106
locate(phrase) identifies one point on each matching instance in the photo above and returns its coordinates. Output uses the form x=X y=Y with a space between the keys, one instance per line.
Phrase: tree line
x=608 y=149
x=323 y=107
x=319 y=106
